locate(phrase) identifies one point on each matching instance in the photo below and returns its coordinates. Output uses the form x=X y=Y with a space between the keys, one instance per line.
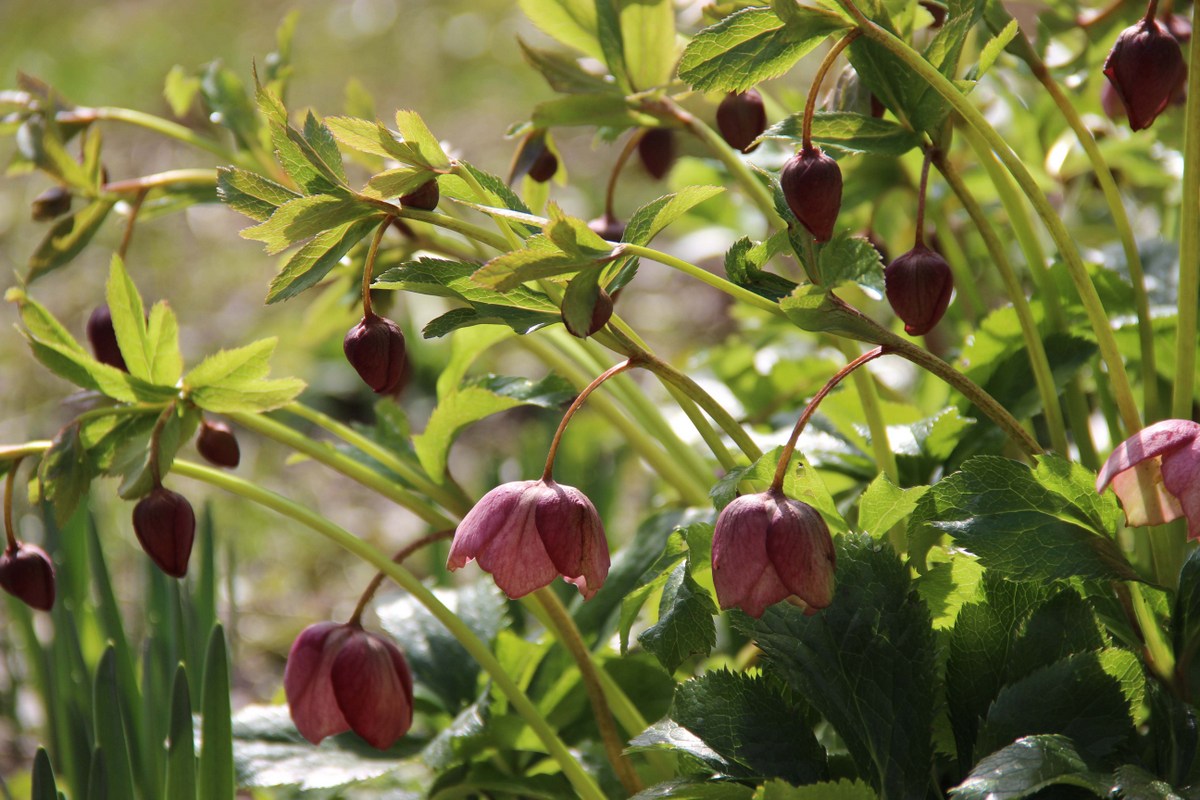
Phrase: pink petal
x=373 y=689
x=307 y=684
x=742 y=573
x=801 y=551
x=514 y=553
x=1154 y=440
x=1143 y=496
x=573 y=534
x=1181 y=477
x=482 y=522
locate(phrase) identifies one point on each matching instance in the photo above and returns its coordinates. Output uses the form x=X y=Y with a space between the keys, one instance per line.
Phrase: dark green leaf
x=315 y=259
x=44 y=787
x=1185 y=616
x=689 y=789
x=1134 y=783
x=97 y=788
x=1027 y=766
x=216 y=729
x=850 y=259
x=848 y=132
x=65 y=473
x=753 y=724
x=975 y=671
x=67 y=238
x=685 y=621
x=457 y=742
x=743 y=265
x=250 y=193
x=579 y=302
x=842 y=790
x=110 y=734
x=752 y=45
x=865 y=663
x=181 y=750
x=563 y=73
x=612 y=46
x=811 y=309
x=549 y=392
x=521 y=320
x=134 y=459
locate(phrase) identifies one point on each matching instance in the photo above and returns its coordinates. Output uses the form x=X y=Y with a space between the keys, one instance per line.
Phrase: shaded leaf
x=1029 y=765
x=67 y=238
x=315 y=259
x=685 y=621
x=848 y=132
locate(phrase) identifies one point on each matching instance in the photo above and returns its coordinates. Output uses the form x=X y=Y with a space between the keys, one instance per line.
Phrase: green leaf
x=850 y=259
x=648 y=41
x=520 y=320
x=216 y=729
x=1017 y=526
x=612 y=44
x=645 y=223
x=564 y=73
x=752 y=45
x=579 y=302
x=110 y=733
x=1135 y=783
x=180 y=90
x=449 y=418
x=239 y=365
x=865 y=663
x=162 y=345
x=97 y=788
x=685 y=621
x=1027 y=766
x=181 y=750
x=421 y=147
x=842 y=790
x=1185 y=615
x=572 y=22
x=322 y=142
x=573 y=236
x=690 y=789
x=539 y=258
x=884 y=504
x=129 y=319
x=948 y=586
x=249 y=397
x=810 y=309
x=315 y=259
x=365 y=136
x=134 y=458
x=250 y=193
x=743 y=265
x=848 y=132
x=67 y=238
x=44 y=787
x=992 y=50
x=65 y=473
x=226 y=97
x=304 y=217
x=301 y=162
x=601 y=110
x=753 y=724
x=397 y=182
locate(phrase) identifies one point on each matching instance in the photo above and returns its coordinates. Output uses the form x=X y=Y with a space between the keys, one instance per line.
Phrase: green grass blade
x=98 y=777
x=44 y=787
x=216 y=728
x=181 y=749
x=110 y=729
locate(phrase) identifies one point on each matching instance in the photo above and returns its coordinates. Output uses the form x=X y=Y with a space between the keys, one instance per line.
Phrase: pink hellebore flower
x=340 y=678
x=767 y=548
x=1156 y=474
x=527 y=533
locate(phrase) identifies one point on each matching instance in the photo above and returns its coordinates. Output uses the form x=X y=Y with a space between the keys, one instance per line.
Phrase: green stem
x=340 y=462
x=1158 y=653
x=579 y=778
x=514 y=241
x=568 y=636
x=1092 y=305
x=468 y=229
x=702 y=275
x=15 y=452
x=1189 y=247
x=159 y=125
x=174 y=177
x=453 y=499
x=1038 y=361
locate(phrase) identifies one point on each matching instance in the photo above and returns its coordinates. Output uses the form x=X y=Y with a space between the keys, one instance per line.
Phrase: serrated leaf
x=322 y=142
x=950 y=585
x=135 y=459
x=848 y=132
x=365 y=136
x=753 y=724
x=572 y=22
x=743 y=265
x=1134 y=783
x=65 y=473
x=300 y=162
x=850 y=259
x=250 y=193
x=992 y=50
x=573 y=236
x=304 y=217
x=313 y=261
x=685 y=621
x=397 y=182
x=612 y=44
x=1027 y=766
x=646 y=222
x=449 y=418
x=842 y=790
x=520 y=320
x=235 y=380
x=539 y=258
x=67 y=238
x=162 y=344
x=248 y=397
x=870 y=673
x=752 y=45
x=884 y=504
x=691 y=789
x=810 y=309
x=251 y=362
x=129 y=319
x=421 y=147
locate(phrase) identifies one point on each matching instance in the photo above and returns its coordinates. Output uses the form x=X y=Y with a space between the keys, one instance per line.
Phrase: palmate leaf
x=235 y=380
x=304 y=217
x=571 y=22
x=250 y=193
x=847 y=132
x=314 y=260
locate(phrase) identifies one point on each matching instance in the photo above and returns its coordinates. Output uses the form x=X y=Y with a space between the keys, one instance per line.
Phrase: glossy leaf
x=1027 y=766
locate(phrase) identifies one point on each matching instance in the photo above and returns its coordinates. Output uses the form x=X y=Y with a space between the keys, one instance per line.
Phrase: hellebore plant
x=1156 y=475
x=1146 y=68
x=26 y=571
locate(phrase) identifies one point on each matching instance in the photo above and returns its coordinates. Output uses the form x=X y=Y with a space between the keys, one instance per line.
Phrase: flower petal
x=515 y=555
x=1143 y=497
x=742 y=573
x=801 y=551
x=1150 y=442
x=483 y=521
x=573 y=534
x=307 y=684
x=1181 y=477
x=373 y=693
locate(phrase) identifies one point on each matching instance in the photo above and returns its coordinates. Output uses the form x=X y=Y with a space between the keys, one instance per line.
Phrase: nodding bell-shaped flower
x=768 y=548
x=340 y=678
x=27 y=573
x=375 y=348
x=1156 y=474
x=1146 y=67
x=812 y=186
x=527 y=533
x=165 y=525
x=918 y=286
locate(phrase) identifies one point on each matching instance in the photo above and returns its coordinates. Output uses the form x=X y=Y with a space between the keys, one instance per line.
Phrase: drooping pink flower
x=527 y=533
x=340 y=678
x=1156 y=474
x=767 y=548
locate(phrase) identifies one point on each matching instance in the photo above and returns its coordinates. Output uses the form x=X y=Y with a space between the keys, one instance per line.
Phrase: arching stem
x=810 y=105
x=369 y=267
x=562 y=426
x=373 y=587
x=10 y=481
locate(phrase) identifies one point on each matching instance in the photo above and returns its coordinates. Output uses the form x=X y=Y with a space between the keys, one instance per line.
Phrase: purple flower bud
x=425 y=197
x=656 y=149
x=741 y=118
x=54 y=202
x=1146 y=68
x=218 y=445
x=812 y=185
x=918 y=285
x=375 y=348
x=103 y=338
x=28 y=575
x=1156 y=475
x=527 y=533
x=544 y=166
x=608 y=227
x=166 y=528
x=767 y=548
x=340 y=678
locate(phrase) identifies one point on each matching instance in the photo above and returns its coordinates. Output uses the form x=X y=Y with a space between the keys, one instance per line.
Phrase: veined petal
x=1143 y=496
x=483 y=521
x=573 y=534
x=307 y=683
x=515 y=555
x=801 y=551
x=740 y=557
x=371 y=691
x=1181 y=477
x=1150 y=442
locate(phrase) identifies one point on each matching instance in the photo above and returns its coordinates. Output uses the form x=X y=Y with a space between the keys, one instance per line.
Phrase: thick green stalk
x=702 y=275
x=159 y=125
x=1101 y=326
x=579 y=778
x=340 y=462
x=1034 y=346
x=1189 y=247
x=452 y=499
x=1158 y=653
x=468 y=229
x=964 y=282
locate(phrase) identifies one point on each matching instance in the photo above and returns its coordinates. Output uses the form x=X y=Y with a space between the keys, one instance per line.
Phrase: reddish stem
x=562 y=426
x=355 y=620
x=626 y=152
x=10 y=481
x=810 y=105
x=921 y=196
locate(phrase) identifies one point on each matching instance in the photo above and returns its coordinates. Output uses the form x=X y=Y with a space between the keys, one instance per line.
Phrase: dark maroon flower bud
x=768 y=548
x=340 y=678
x=544 y=166
x=218 y=445
x=166 y=527
x=1146 y=68
x=54 y=202
x=28 y=575
x=812 y=185
x=608 y=227
x=601 y=313
x=936 y=10
x=425 y=197
x=656 y=149
x=741 y=119
x=918 y=285
x=877 y=107
x=103 y=338
x=375 y=348
x=527 y=533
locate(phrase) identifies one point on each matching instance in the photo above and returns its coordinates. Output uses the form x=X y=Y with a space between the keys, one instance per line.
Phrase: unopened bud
x=28 y=575
x=425 y=197
x=218 y=445
x=608 y=227
x=656 y=149
x=918 y=285
x=1146 y=68
x=812 y=185
x=741 y=119
x=375 y=348
x=103 y=338
x=54 y=202
x=166 y=528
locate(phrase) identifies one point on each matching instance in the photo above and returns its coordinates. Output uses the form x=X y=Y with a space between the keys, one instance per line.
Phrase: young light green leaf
x=573 y=236
x=67 y=238
x=181 y=749
x=992 y=50
x=449 y=418
x=423 y=148
x=601 y=110
x=394 y=183
x=239 y=365
x=322 y=142
x=162 y=343
x=180 y=90
x=250 y=193
x=539 y=258
x=305 y=217
x=216 y=730
x=226 y=97
x=129 y=320
x=40 y=323
x=365 y=136
x=648 y=42
x=572 y=22
x=884 y=504
x=313 y=261
x=648 y=220
x=752 y=45
x=248 y=396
